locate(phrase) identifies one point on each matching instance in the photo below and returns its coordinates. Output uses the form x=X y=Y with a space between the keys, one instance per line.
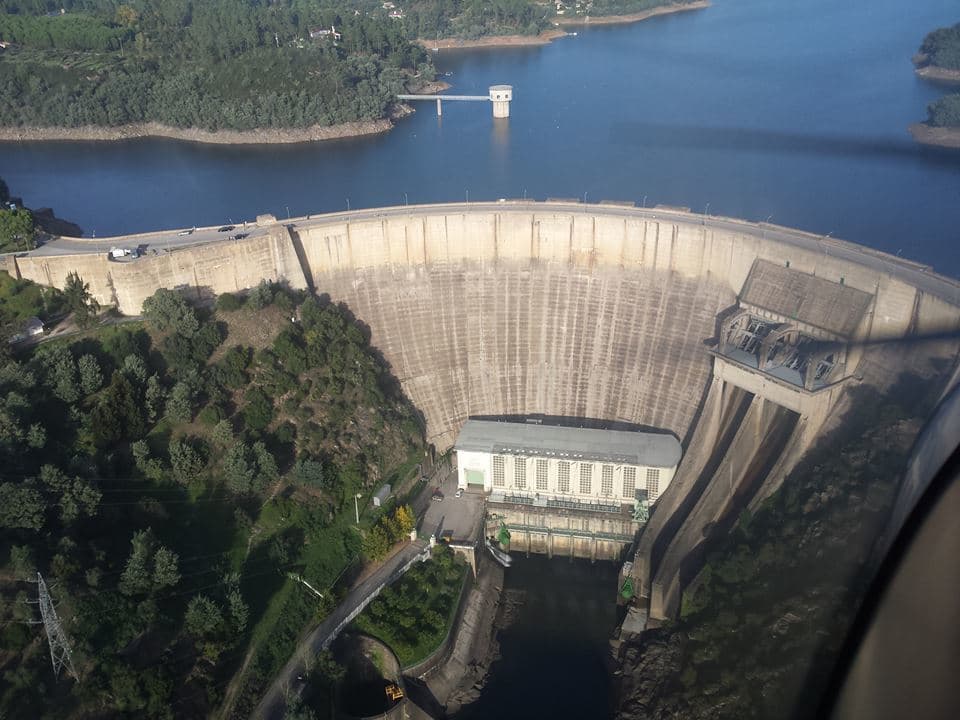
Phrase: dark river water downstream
x=752 y=108
x=553 y=654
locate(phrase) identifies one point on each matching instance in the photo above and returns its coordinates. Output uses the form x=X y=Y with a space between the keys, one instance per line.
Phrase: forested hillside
x=941 y=50
x=171 y=479
x=231 y=64
x=236 y=64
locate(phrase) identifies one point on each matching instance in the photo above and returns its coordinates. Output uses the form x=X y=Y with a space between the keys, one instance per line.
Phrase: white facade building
x=564 y=463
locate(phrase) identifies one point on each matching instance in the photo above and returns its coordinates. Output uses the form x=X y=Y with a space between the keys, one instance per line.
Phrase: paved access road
x=912 y=273
x=273 y=704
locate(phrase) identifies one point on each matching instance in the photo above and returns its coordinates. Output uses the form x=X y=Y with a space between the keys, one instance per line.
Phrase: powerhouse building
x=577 y=465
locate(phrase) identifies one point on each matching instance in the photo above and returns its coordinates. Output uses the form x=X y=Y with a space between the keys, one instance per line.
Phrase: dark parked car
x=226 y=228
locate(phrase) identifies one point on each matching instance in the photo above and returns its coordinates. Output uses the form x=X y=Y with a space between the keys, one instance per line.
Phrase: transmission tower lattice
x=59 y=647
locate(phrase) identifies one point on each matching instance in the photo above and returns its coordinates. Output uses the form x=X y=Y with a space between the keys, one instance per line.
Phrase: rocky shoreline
x=945 y=137
x=265 y=136
x=633 y=17
x=548 y=36
x=933 y=72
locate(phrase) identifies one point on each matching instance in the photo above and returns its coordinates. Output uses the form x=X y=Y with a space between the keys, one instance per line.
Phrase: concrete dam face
x=701 y=327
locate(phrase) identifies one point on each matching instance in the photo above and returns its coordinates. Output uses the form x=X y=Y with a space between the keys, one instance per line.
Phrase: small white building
x=565 y=463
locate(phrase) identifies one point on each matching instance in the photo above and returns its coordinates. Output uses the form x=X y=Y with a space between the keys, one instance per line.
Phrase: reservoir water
x=794 y=111
x=554 y=652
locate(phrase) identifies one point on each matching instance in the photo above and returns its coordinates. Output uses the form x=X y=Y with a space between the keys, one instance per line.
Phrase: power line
x=60 y=654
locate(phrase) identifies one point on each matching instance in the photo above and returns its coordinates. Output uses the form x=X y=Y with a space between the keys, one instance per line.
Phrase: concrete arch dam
x=605 y=312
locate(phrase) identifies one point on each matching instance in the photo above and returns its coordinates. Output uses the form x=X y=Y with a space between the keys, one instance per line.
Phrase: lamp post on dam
x=499 y=96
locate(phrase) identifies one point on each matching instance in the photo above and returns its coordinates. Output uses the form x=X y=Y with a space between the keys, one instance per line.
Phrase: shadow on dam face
x=575 y=422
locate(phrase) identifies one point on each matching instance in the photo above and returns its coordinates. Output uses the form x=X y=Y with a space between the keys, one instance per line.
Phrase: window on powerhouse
x=498 y=471
x=563 y=477
x=629 y=482
x=586 y=478
x=606 y=480
x=653 y=483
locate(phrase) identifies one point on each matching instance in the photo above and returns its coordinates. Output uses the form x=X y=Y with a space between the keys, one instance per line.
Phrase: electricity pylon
x=59 y=647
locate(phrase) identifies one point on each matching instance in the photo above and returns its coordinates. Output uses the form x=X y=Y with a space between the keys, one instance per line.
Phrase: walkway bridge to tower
x=499 y=96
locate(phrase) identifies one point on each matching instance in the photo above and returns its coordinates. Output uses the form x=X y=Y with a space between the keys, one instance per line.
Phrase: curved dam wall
x=597 y=312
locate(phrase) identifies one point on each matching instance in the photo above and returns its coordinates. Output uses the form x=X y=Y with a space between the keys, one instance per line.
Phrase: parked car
x=437 y=496
x=188 y=231
x=459 y=492
x=225 y=228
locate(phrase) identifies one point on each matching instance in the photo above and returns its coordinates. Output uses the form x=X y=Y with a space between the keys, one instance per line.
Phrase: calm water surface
x=553 y=655
x=759 y=108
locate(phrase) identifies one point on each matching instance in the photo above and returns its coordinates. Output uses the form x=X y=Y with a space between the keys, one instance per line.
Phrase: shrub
x=228 y=302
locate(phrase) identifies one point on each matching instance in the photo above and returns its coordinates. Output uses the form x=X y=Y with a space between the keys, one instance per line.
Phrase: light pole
x=348 y=204
x=356 y=507
x=584 y=198
x=406 y=200
x=706 y=210
x=644 y=201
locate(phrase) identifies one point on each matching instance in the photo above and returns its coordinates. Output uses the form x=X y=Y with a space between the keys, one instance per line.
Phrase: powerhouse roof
x=569 y=443
x=796 y=295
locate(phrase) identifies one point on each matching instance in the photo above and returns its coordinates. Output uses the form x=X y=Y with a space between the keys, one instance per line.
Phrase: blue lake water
x=760 y=108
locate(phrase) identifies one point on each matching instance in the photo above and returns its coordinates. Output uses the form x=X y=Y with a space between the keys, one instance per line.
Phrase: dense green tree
x=135 y=369
x=79 y=301
x=258 y=411
x=376 y=543
x=91 y=379
x=75 y=497
x=154 y=398
x=149 y=567
x=21 y=506
x=60 y=373
x=238 y=470
x=203 y=617
x=945 y=112
x=167 y=310
x=260 y=296
x=942 y=47
x=117 y=415
x=308 y=473
x=186 y=459
x=17 y=230
x=180 y=403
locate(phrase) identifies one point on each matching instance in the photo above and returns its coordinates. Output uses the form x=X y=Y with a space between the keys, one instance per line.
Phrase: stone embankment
x=459 y=676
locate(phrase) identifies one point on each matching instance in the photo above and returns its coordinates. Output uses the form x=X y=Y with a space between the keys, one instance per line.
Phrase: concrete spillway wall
x=567 y=310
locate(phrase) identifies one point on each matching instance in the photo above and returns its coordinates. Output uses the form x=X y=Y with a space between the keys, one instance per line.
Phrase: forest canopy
x=941 y=48
x=236 y=64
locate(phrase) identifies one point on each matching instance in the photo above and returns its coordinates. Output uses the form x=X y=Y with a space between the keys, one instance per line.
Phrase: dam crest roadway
x=740 y=339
